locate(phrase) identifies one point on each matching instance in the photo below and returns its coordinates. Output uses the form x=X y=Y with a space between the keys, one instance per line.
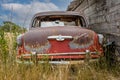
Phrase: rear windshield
x=52 y=21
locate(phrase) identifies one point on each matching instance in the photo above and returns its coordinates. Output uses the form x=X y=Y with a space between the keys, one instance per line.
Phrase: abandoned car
x=61 y=36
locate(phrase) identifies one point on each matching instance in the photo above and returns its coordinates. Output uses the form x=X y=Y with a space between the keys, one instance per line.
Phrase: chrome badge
x=60 y=37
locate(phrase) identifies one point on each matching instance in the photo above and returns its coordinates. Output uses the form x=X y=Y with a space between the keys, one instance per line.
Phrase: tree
x=11 y=27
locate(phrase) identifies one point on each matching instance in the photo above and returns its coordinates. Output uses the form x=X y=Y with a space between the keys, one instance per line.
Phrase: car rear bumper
x=58 y=58
x=56 y=62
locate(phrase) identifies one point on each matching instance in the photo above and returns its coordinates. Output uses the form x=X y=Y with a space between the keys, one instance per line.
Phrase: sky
x=21 y=11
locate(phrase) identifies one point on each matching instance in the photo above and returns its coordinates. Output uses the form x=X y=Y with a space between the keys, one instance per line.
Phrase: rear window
x=54 y=21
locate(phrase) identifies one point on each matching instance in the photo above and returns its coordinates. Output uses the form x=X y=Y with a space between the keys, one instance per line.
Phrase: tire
x=110 y=54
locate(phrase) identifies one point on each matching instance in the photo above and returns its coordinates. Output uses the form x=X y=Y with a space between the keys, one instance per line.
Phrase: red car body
x=60 y=42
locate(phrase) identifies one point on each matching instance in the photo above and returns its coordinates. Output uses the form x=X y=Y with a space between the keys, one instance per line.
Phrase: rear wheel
x=111 y=54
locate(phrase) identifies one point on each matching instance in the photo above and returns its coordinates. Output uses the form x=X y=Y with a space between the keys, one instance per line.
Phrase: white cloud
x=8 y=6
x=24 y=12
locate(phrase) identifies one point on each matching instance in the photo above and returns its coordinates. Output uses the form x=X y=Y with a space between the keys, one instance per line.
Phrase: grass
x=10 y=70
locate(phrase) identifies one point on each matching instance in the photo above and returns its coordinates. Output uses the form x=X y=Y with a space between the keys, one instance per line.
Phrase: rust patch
x=38 y=48
x=82 y=41
x=38 y=37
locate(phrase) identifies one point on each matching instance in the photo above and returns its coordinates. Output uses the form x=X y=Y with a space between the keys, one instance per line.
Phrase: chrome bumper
x=87 y=59
x=59 y=54
x=56 y=62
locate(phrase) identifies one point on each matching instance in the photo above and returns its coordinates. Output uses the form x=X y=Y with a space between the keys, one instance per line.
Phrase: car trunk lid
x=57 y=39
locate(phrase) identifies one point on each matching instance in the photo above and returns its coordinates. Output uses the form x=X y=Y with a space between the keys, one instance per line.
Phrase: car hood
x=39 y=36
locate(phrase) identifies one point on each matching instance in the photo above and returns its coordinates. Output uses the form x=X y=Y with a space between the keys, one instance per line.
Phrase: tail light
x=19 y=39
x=101 y=37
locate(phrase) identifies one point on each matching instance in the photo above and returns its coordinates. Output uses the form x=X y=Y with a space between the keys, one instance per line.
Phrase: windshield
x=52 y=21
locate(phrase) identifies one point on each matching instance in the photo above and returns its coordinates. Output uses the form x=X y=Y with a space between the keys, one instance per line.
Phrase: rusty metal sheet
x=38 y=36
x=50 y=13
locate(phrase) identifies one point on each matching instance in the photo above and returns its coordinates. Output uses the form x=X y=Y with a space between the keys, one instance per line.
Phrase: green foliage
x=11 y=27
x=3 y=47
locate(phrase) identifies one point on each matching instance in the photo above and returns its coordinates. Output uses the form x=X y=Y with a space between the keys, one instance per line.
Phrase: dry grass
x=10 y=70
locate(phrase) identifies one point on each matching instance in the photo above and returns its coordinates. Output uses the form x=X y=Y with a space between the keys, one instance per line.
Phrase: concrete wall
x=103 y=16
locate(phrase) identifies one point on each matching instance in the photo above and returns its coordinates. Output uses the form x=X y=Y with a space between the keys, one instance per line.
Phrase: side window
x=35 y=23
x=82 y=22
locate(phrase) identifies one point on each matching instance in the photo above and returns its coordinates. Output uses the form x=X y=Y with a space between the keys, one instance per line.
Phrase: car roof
x=54 y=13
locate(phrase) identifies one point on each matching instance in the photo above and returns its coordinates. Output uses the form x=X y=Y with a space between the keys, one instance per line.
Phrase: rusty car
x=61 y=36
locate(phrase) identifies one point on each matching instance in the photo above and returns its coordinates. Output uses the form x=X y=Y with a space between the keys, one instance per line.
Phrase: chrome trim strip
x=60 y=37
x=55 y=62
x=57 y=54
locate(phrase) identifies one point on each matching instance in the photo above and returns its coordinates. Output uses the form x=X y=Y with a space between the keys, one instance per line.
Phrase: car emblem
x=60 y=37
